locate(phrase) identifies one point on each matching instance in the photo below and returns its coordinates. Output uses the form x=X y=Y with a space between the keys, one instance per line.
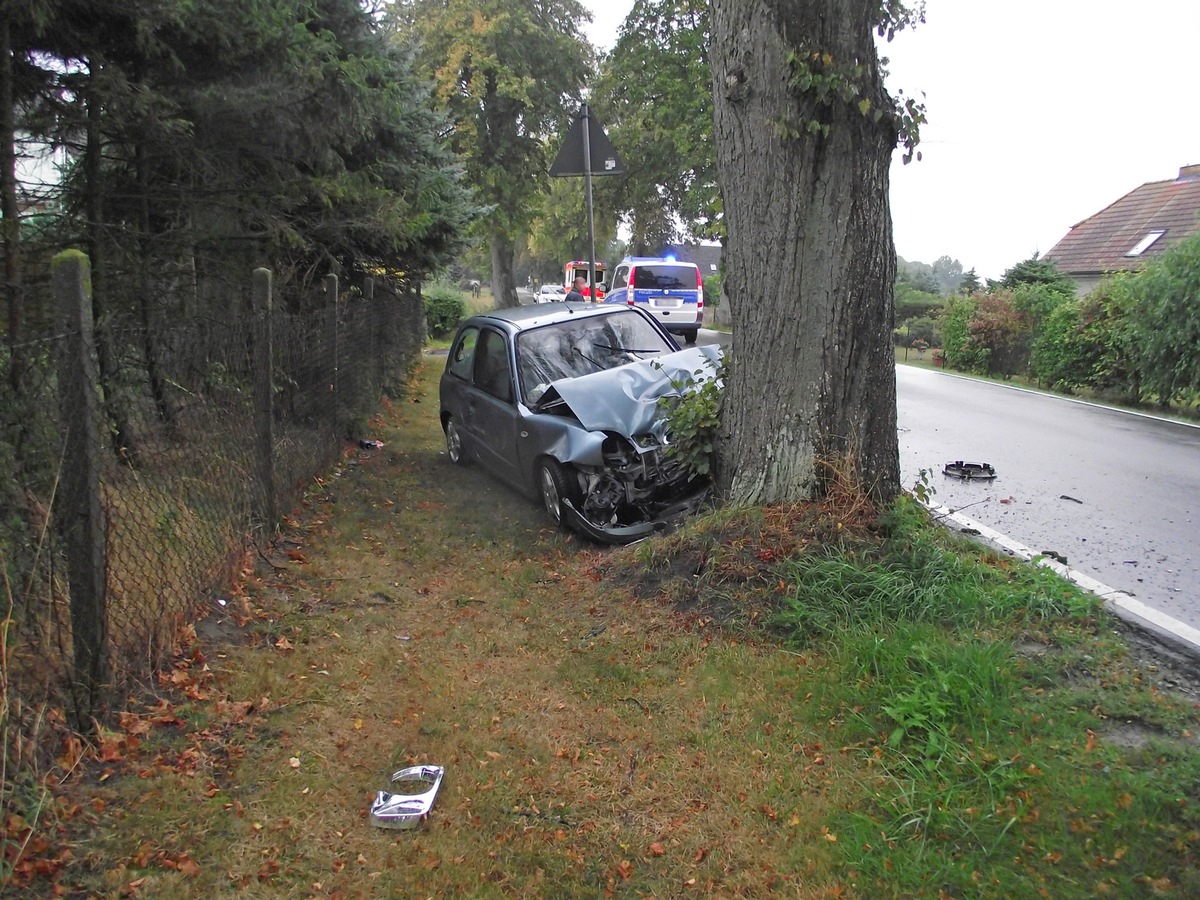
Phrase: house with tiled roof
x=706 y=256
x=1138 y=227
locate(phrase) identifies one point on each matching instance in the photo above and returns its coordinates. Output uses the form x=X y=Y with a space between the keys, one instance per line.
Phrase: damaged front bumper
x=617 y=534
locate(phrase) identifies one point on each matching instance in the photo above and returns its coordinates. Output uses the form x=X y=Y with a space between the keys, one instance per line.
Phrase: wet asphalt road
x=1133 y=482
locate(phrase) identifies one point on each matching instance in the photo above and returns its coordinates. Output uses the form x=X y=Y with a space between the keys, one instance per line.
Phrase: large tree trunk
x=809 y=260
x=504 y=283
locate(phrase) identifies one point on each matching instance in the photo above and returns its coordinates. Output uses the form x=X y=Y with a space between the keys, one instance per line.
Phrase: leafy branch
x=693 y=417
x=818 y=77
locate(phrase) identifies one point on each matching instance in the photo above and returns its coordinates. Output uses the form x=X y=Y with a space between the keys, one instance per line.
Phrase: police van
x=668 y=289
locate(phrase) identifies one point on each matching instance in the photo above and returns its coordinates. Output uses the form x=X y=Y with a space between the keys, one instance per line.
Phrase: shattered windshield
x=583 y=346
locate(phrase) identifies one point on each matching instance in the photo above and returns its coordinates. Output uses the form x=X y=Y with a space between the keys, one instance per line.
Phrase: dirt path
x=420 y=613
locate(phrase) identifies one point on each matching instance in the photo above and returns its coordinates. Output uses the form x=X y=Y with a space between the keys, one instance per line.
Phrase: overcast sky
x=1041 y=113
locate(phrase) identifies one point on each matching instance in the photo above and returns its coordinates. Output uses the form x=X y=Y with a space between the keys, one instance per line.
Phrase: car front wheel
x=454 y=443
x=555 y=486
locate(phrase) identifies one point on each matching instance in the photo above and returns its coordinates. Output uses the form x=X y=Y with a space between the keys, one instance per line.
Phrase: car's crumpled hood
x=625 y=399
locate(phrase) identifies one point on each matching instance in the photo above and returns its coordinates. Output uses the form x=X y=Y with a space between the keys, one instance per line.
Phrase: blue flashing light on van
x=671 y=291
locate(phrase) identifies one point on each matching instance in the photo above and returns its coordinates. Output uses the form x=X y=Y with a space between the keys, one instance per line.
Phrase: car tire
x=455 y=448
x=554 y=486
x=690 y=336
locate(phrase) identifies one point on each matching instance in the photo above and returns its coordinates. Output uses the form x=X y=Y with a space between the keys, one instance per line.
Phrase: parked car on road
x=562 y=403
x=550 y=293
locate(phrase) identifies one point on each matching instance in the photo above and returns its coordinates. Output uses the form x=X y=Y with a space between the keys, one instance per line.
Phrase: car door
x=618 y=291
x=491 y=417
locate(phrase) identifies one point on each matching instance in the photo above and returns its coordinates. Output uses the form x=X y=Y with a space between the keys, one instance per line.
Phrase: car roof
x=658 y=259
x=519 y=318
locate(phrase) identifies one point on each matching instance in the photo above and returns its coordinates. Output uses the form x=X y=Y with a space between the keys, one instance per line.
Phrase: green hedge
x=444 y=308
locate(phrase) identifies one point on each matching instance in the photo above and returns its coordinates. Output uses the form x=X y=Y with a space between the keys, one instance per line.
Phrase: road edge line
x=1125 y=605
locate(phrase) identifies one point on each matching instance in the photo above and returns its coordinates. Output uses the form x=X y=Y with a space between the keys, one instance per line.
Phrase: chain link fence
x=149 y=448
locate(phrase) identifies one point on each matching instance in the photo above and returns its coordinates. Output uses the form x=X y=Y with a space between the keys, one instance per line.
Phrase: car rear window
x=664 y=277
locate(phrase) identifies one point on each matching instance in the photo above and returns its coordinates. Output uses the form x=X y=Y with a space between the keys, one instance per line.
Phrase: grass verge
x=813 y=700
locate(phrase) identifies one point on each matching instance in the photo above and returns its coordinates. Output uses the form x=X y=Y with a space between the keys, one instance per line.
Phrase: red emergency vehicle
x=577 y=267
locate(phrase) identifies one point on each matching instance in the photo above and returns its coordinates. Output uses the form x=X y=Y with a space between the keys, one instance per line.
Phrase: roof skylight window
x=1145 y=243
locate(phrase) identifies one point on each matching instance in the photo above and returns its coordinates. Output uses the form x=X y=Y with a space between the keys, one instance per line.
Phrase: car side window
x=620 y=277
x=492 y=371
x=463 y=354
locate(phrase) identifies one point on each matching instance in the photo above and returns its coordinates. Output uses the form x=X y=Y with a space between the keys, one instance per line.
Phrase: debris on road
x=969 y=471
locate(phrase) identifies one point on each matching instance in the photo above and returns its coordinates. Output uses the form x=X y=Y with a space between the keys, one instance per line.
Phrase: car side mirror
x=602 y=287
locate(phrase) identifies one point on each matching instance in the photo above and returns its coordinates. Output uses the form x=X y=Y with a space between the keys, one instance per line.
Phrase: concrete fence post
x=331 y=296
x=80 y=512
x=262 y=359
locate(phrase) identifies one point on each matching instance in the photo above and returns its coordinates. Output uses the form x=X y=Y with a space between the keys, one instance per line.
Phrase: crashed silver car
x=561 y=401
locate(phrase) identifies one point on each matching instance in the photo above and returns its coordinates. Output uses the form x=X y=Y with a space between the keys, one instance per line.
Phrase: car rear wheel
x=690 y=336
x=454 y=444
x=555 y=486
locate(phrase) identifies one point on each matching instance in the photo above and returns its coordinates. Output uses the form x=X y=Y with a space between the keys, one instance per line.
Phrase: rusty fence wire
x=203 y=423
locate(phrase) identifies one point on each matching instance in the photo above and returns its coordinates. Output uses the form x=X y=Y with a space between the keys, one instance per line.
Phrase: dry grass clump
x=725 y=565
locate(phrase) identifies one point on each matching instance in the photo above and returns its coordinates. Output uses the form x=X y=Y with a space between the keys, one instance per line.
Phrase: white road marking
x=1119 y=601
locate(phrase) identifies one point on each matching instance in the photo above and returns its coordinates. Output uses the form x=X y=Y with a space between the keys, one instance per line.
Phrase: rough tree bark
x=809 y=256
x=504 y=282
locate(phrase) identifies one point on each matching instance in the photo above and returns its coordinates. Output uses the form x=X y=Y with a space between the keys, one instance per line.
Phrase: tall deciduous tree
x=510 y=73
x=652 y=93
x=559 y=231
x=804 y=133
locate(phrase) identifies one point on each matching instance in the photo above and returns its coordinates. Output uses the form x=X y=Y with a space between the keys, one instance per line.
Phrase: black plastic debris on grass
x=969 y=471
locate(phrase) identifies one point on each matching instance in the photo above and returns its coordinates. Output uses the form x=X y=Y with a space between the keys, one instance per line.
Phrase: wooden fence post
x=262 y=359
x=331 y=295
x=81 y=512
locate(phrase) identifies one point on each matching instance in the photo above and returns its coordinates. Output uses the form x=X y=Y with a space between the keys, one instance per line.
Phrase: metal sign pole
x=575 y=158
x=587 y=182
